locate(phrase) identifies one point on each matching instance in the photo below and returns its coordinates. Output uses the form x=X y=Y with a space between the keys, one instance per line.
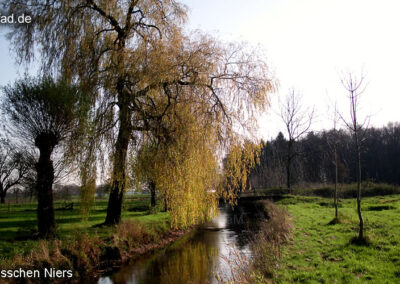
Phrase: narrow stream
x=202 y=256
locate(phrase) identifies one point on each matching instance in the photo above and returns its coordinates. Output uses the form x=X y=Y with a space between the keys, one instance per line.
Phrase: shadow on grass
x=335 y=221
x=101 y=225
x=365 y=241
x=380 y=208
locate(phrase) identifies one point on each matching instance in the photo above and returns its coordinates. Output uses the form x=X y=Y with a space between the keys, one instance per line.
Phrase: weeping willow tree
x=135 y=58
x=106 y=46
x=238 y=163
x=183 y=167
x=188 y=177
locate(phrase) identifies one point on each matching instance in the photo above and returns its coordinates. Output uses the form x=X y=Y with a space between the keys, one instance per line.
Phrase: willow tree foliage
x=44 y=113
x=184 y=168
x=84 y=157
x=143 y=168
x=136 y=60
x=88 y=175
x=238 y=164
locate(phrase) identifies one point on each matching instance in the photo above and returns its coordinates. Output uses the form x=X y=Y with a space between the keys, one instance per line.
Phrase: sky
x=309 y=45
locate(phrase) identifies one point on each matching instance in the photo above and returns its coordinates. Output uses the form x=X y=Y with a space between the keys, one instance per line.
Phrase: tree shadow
x=335 y=221
x=365 y=241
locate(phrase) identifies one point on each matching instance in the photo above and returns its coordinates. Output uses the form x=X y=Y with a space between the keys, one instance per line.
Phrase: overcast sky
x=308 y=44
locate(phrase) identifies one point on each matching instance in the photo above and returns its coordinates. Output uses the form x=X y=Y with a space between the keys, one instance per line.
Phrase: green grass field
x=323 y=253
x=18 y=222
x=318 y=253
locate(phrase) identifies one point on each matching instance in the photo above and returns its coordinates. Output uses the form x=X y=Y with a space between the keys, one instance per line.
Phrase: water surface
x=205 y=254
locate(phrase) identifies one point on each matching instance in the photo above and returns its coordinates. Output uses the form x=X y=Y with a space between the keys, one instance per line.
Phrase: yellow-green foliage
x=237 y=166
x=88 y=187
x=184 y=169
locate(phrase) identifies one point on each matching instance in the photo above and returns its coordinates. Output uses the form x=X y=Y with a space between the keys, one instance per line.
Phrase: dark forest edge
x=370 y=189
x=313 y=163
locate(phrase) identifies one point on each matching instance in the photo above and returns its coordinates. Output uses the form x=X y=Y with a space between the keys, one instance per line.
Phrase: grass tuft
x=132 y=234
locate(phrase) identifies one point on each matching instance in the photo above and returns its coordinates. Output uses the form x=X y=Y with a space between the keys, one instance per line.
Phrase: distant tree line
x=380 y=160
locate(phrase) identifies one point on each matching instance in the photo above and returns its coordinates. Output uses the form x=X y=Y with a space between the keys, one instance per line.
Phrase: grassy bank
x=80 y=245
x=322 y=253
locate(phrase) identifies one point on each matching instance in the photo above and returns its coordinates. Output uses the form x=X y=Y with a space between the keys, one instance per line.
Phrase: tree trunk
x=165 y=204
x=336 y=182
x=2 y=197
x=152 y=186
x=288 y=167
x=288 y=185
x=361 y=229
x=30 y=195
x=44 y=185
x=119 y=168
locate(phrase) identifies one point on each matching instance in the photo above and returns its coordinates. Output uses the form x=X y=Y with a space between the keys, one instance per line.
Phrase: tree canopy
x=136 y=61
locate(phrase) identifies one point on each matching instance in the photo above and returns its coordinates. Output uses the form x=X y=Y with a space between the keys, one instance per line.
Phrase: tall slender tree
x=355 y=87
x=333 y=141
x=297 y=120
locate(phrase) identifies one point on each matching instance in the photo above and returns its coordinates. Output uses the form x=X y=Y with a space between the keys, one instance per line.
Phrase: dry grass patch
x=274 y=233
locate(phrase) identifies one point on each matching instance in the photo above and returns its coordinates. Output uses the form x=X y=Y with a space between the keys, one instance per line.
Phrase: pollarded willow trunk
x=118 y=179
x=44 y=185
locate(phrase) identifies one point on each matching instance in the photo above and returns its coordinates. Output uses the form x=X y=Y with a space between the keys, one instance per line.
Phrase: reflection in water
x=200 y=258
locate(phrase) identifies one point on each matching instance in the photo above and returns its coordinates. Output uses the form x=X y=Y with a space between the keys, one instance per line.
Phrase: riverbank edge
x=88 y=257
x=127 y=256
x=275 y=233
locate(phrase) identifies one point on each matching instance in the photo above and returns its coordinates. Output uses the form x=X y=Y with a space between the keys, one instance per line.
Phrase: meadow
x=318 y=251
x=322 y=252
x=18 y=222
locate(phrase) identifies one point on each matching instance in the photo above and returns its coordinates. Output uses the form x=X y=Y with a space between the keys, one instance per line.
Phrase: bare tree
x=297 y=120
x=14 y=168
x=355 y=87
x=333 y=141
